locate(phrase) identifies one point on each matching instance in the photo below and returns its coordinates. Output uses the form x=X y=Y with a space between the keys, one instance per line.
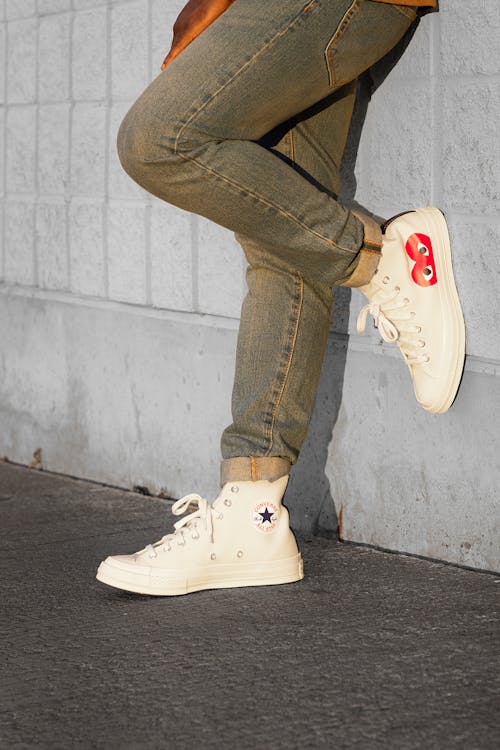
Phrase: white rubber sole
x=141 y=579
x=453 y=319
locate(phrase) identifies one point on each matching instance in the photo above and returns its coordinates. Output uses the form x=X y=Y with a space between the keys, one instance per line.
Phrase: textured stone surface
x=53 y=57
x=52 y=246
x=369 y=650
x=3 y=36
x=469 y=34
x=129 y=49
x=399 y=132
x=89 y=54
x=415 y=60
x=404 y=478
x=21 y=41
x=479 y=300
x=86 y=243
x=88 y=149
x=53 y=148
x=19 y=8
x=83 y=4
x=21 y=142
x=52 y=6
x=19 y=245
x=171 y=257
x=2 y=241
x=471 y=147
x=2 y=151
x=126 y=260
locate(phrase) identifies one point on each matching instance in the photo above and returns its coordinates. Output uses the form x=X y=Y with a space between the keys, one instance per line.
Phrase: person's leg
x=192 y=136
x=284 y=320
x=197 y=139
x=203 y=144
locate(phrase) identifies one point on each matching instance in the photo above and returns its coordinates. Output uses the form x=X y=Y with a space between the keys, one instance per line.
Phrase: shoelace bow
x=386 y=314
x=202 y=514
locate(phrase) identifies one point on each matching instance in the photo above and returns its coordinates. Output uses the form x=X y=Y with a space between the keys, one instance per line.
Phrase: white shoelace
x=391 y=319
x=202 y=515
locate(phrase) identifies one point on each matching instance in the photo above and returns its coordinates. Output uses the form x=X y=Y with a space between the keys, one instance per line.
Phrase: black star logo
x=266 y=516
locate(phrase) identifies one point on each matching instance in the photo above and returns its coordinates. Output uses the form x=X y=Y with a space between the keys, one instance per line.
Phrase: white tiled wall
x=74 y=220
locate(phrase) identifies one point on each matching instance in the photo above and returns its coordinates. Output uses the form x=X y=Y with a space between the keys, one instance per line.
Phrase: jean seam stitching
x=253 y=468
x=231 y=182
x=292 y=145
x=296 y=313
x=266 y=46
x=241 y=188
x=338 y=34
x=408 y=12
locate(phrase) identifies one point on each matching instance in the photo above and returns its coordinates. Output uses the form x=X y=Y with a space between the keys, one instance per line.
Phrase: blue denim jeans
x=247 y=127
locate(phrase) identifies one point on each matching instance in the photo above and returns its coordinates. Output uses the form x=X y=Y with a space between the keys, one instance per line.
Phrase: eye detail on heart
x=419 y=248
x=423 y=249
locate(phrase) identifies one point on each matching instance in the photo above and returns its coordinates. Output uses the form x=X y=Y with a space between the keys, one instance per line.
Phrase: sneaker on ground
x=414 y=303
x=242 y=539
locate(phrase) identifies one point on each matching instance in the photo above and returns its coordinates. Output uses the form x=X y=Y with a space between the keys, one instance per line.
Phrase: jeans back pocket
x=366 y=32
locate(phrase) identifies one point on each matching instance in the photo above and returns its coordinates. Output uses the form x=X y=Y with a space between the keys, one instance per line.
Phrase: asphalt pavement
x=371 y=650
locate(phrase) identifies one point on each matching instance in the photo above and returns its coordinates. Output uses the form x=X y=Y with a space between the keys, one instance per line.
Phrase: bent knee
x=144 y=139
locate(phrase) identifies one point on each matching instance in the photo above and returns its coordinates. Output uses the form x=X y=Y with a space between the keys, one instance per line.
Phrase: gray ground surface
x=370 y=650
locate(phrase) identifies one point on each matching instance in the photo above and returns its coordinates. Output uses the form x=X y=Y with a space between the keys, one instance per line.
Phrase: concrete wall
x=116 y=346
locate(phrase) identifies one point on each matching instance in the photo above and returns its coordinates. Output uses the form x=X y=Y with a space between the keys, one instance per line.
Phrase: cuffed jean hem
x=369 y=254
x=253 y=468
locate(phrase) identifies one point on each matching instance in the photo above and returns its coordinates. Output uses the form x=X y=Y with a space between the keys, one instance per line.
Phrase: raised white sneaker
x=414 y=302
x=242 y=539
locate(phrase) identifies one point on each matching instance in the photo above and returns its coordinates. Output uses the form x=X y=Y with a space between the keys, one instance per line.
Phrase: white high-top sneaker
x=242 y=539
x=414 y=302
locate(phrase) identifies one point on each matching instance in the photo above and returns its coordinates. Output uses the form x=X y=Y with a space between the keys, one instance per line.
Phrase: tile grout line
x=107 y=146
x=36 y=264
x=436 y=160
x=67 y=192
x=148 y=206
x=69 y=198
x=3 y=259
x=195 y=241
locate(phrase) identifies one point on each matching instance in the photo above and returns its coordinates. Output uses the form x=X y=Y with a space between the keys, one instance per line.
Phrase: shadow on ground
x=370 y=650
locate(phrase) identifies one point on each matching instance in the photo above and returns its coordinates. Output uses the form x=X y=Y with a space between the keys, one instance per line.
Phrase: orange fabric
x=428 y=3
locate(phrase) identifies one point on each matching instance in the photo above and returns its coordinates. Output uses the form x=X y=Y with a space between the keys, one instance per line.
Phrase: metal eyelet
x=227 y=502
x=213 y=556
x=406 y=301
x=239 y=553
x=421 y=342
x=385 y=280
x=235 y=488
x=397 y=289
x=427 y=358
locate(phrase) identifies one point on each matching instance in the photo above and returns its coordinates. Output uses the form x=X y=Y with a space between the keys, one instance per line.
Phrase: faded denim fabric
x=247 y=127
